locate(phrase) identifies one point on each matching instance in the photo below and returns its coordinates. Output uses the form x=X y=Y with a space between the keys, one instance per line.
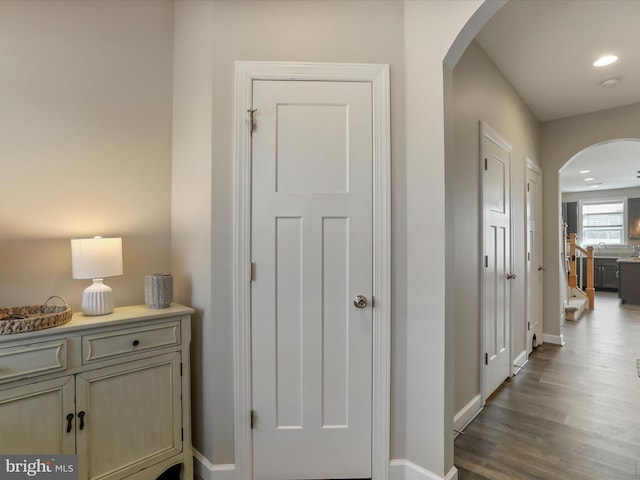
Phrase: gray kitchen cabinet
x=633 y=217
x=609 y=274
x=605 y=273
x=570 y=216
x=629 y=281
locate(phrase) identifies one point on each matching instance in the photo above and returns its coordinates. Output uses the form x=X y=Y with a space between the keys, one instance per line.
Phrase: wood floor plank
x=573 y=412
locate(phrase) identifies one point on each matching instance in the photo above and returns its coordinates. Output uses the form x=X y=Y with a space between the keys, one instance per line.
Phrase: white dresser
x=113 y=389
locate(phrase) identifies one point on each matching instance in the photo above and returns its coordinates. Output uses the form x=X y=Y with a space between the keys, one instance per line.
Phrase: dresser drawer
x=107 y=345
x=33 y=359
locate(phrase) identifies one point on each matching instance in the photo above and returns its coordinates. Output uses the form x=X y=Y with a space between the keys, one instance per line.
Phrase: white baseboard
x=452 y=475
x=554 y=339
x=406 y=470
x=398 y=470
x=467 y=413
x=205 y=470
x=520 y=361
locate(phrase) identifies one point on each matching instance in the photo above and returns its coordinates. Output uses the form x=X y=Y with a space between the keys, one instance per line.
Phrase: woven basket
x=34 y=317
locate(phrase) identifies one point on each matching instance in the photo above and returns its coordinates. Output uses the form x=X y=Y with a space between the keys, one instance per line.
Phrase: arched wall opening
x=562 y=141
x=462 y=41
x=559 y=141
x=602 y=172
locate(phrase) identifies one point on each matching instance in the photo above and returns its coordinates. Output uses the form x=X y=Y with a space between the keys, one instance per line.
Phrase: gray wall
x=633 y=192
x=481 y=93
x=85 y=142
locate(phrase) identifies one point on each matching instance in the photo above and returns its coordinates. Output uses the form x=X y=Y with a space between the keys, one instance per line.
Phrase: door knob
x=360 y=301
x=540 y=268
x=511 y=276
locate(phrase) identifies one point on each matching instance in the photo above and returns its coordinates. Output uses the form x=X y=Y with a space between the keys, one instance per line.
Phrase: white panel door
x=312 y=251
x=534 y=257
x=497 y=273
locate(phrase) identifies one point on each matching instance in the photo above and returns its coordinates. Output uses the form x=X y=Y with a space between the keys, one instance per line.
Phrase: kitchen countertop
x=629 y=260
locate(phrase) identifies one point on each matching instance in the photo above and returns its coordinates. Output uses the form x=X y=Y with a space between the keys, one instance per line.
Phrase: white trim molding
x=406 y=470
x=519 y=362
x=466 y=415
x=554 y=339
x=203 y=469
x=378 y=76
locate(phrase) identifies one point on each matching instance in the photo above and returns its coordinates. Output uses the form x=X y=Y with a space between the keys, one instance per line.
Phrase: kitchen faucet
x=601 y=243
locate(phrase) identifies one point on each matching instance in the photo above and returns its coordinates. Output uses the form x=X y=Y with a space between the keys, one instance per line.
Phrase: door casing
x=378 y=76
x=537 y=255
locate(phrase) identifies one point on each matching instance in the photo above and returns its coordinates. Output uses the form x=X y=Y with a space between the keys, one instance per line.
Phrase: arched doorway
x=555 y=154
x=599 y=187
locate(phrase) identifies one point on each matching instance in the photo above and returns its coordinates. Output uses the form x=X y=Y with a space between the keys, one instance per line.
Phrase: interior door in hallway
x=497 y=274
x=311 y=242
x=535 y=268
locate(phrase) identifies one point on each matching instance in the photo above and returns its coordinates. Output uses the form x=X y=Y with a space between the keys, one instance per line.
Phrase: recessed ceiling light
x=594 y=186
x=604 y=61
x=589 y=179
x=588 y=171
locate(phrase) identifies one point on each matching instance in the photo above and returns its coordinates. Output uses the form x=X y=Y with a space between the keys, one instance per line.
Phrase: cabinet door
x=132 y=417
x=33 y=418
x=570 y=216
x=633 y=205
x=609 y=275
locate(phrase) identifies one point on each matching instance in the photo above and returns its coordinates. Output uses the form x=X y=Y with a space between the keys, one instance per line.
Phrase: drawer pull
x=81 y=417
x=69 y=419
x=136 y=343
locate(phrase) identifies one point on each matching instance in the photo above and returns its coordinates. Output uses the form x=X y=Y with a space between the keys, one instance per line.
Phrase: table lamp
x=96 y=258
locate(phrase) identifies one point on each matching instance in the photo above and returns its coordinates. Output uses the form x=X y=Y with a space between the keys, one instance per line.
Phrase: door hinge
x=528 y=325
x=486 y=359
x=486 y=261
x=486 y=166
x=252 y=272
x=528 y=185
x=252 y=122
x=182 y=434
x=252 y=418
x=529 y=256
x=180 y=368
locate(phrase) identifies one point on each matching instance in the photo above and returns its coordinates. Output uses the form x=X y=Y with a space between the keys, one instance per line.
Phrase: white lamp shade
x=96 y=257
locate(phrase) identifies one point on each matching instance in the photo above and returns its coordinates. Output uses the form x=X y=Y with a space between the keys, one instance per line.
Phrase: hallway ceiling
x=546 y=50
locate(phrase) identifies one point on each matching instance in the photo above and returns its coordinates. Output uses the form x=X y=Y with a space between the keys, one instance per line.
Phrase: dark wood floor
x=572 y=413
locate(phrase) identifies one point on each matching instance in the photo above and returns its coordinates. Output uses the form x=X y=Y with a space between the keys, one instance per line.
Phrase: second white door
x=312 y=253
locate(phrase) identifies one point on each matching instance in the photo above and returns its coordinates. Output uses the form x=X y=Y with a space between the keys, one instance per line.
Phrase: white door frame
x=487 y=132
x=378 y=76
x=534 y=167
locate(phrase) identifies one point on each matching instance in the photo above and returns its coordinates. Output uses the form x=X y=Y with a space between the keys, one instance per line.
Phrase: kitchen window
x=603 y=221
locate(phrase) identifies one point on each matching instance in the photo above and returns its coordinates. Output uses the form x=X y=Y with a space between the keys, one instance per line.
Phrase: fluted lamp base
x=97 y=299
